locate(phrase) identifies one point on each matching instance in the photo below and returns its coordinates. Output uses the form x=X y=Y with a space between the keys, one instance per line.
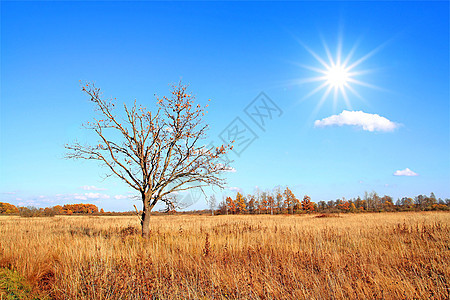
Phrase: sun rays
x=337 y=75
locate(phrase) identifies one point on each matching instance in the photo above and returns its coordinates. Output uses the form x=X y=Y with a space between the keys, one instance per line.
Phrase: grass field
x=351 y=256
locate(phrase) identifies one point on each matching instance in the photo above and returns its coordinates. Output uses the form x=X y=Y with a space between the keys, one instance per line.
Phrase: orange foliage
x=307 y=205
x=80 y=208
x=6 y=208
x=231 y=205
x=344 y=205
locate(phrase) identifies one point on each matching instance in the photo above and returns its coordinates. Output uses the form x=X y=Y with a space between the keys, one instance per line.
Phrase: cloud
x=369 y=122
x=86 y=196
x=235 y=189
x=119 y=197
x=96 y=196
x=405 y=172
x=91 y=188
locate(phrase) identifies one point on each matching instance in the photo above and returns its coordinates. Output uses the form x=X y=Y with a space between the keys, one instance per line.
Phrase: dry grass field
x=351 y=256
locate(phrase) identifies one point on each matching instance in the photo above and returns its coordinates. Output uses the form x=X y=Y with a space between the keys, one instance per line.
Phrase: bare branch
x=158 y=153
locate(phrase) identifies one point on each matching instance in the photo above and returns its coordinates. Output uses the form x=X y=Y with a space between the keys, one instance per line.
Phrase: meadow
x=347 y=256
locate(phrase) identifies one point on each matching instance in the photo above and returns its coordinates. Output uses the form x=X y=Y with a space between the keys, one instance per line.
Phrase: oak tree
x=157 y=153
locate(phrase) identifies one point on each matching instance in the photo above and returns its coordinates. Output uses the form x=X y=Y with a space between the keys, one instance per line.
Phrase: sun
x=338 y=74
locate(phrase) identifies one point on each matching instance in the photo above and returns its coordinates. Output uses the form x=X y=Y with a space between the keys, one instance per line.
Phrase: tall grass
x=354 y=256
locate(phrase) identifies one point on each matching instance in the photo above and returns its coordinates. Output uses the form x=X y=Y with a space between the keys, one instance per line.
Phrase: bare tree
x=156 y=153
x=212 y=202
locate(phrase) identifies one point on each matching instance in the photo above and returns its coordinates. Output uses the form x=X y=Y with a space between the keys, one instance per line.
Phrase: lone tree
x=156 y=153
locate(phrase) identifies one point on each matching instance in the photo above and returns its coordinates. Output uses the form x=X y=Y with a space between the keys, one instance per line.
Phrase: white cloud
x=369 y=122
x=405 y=172
x=119 y=197
x=85 y=196
x=233 y=188
x=96 y=196
x=91 y=188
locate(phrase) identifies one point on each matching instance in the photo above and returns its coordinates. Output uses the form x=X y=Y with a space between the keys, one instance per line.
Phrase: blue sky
x=230 y=52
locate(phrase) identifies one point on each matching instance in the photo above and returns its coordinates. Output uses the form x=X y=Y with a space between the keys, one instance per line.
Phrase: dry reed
x=356 y=256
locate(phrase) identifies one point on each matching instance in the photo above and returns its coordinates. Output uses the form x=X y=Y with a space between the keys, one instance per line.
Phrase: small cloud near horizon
x=235 y=189
x=405 y=172
x=91 y=188
x=368 y=122
x=90 y=195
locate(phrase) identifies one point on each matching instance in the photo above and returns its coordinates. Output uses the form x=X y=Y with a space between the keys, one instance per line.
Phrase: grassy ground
x=353 y=256
x=13 y=286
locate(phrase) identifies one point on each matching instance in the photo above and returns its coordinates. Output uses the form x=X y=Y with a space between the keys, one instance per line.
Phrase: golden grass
x=355 y=256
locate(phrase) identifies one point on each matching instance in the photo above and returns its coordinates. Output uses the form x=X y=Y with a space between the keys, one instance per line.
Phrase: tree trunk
x=145 y=223
x=146 y=218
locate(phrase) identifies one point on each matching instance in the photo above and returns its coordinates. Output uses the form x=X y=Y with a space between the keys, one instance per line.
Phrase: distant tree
x=322 y=205
x=307 y=205
x=419 y=201
x=240 y=202
x=407 y=203
x=290 y=200
x=271 y=202
x=231 y=205
x=377 y=202
x=264 y=202
x=81 y=208
x=279 y=200
x=344 y=205
x=388 y=205
x=331 y=204
x=223 y=209
x=58 y=209
x=359 y=202
x=432 y=196
x=49 y=212
x=251 y=204
x=156 y=153
x=211 y=203
x=430 y=201
x=6 y=208
x=30 y=211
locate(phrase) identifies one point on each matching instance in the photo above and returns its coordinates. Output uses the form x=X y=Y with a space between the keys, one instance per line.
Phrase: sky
x=353 y=96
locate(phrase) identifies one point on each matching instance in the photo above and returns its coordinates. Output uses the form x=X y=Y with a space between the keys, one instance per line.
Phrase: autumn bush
x=353 y=256
x=6 y=208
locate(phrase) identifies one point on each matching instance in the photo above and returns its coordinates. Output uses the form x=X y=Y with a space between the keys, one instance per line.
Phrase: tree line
x=273 y=202
x=67 y=209
x=286 y=202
